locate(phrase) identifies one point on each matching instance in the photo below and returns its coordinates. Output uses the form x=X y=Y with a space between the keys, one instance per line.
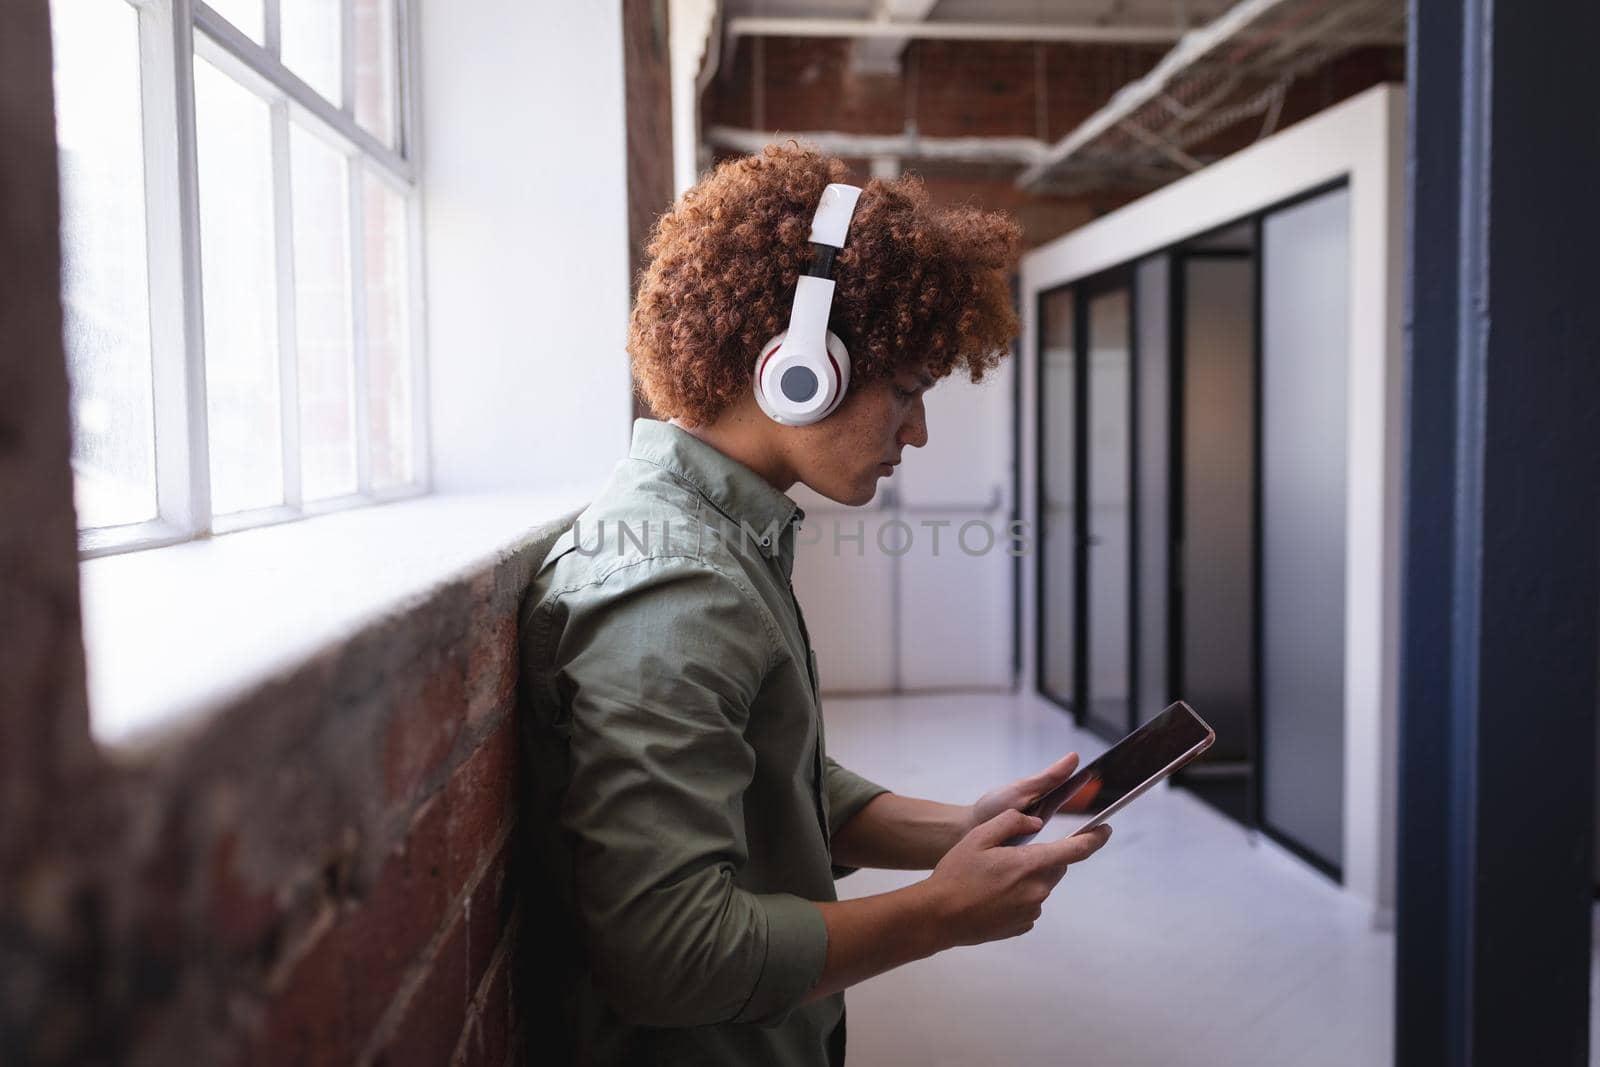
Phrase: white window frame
x=172 y=34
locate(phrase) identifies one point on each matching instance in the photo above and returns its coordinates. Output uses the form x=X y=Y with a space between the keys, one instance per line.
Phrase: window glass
x=321 y=198
x=306 y=389
x=388 y=332
x=105 y=297
x=377 y=69
x=239 y=280
x=312 y=41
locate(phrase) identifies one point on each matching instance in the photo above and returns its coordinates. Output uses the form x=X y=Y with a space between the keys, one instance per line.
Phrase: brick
x=989 y=88
x=492 y=664
x=647 y=98
x=306 y=1023
x=433 y=1020
x=486 y=1041
x=479 y=796
x=487 y=913
x=406 y=905
x=243 y=917
x=162 y=882
x=422 y=730
x=44 y=712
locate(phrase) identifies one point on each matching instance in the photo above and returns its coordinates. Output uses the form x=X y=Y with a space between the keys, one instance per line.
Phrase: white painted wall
x=1362 y=139
x=926 y=607
x=525 y=229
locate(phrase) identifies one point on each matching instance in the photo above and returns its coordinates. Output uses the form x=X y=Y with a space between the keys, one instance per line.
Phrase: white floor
x=1183 y=942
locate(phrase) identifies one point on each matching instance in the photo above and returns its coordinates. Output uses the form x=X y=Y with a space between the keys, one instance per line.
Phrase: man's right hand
x=984 y=890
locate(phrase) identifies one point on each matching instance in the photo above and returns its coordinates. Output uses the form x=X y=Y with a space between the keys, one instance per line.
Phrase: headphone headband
x=813 y=296
x=834 y=212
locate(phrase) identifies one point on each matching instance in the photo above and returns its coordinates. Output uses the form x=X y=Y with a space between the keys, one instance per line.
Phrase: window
x=239 y=232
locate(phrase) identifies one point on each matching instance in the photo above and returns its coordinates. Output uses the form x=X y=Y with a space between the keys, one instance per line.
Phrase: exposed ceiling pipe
x=881 y=55
x=1194 y=46
x=1038 y=32
x=772 y=26
x=1010 y=150
x=1159 y=144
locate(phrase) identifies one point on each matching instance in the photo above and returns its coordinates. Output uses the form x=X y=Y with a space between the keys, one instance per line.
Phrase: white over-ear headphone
x=801 y=375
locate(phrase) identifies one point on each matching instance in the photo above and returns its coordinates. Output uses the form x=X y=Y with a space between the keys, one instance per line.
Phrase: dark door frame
x=1501 y=557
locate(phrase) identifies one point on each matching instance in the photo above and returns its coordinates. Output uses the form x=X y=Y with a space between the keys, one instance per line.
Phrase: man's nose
x=914 y=431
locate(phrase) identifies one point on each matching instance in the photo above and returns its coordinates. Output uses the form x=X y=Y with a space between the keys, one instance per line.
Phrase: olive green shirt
x=682 y=798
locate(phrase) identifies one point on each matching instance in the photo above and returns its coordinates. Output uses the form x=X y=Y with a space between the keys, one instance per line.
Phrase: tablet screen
x=1151 y=752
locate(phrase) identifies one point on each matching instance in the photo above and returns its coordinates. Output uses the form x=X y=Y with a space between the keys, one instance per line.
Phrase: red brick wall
x=45 y=949
x=949 y=89
x=647 y=91
x=984 y=88
x=321 y=872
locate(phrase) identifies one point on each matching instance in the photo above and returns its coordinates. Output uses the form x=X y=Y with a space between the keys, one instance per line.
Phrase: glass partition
x=1058 y=496
x=1153 y=415
x=1108 y=558
x=1305 y=282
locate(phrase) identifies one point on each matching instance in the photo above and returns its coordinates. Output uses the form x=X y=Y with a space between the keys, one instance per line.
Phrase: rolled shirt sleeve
x=848 y=793
x=662 y=659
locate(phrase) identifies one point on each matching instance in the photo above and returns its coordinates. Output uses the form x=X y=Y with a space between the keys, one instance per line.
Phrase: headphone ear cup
x=768 y=406
x=782 y=410
x=840 y=357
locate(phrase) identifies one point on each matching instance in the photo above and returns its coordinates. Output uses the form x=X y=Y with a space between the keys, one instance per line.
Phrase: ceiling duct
x=1236 y=68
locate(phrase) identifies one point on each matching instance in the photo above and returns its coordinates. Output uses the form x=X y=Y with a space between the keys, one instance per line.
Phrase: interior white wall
x=916 y=603
x=1361 y=139
x=525 y=229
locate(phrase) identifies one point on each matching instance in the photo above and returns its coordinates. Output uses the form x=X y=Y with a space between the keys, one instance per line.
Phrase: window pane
x=246 y=15
x=239 y=278
x=312 y=48
x=377 y=66
x=105 y=293
x=388 y=332
x=322 y=317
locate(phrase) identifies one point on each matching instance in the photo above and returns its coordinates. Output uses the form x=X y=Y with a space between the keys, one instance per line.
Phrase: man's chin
x=865 y=495
x=852 y=499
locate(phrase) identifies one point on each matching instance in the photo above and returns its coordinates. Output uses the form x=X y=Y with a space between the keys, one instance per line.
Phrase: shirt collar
x=732 y=488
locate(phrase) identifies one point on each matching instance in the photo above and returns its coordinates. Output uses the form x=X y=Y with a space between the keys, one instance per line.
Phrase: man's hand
x=1022 y=792
x=984 y=890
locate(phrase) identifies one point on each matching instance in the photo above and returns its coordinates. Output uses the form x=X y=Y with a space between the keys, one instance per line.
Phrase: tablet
x=1126 y=769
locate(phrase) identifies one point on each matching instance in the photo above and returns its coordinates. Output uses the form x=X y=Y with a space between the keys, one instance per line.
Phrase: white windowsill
x=172 y=633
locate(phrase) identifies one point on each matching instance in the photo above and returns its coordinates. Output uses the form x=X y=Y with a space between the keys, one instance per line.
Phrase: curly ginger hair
x=916 y=284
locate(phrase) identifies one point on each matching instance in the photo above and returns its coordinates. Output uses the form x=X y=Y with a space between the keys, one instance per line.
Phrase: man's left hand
x=1022 y=792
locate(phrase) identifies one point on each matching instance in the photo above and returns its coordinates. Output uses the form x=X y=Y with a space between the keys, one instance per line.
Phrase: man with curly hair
x=689 y=823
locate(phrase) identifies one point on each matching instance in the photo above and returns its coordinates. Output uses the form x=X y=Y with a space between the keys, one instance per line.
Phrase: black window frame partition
x=1125 y=274
x=1083 y=290
x=1039 y=474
